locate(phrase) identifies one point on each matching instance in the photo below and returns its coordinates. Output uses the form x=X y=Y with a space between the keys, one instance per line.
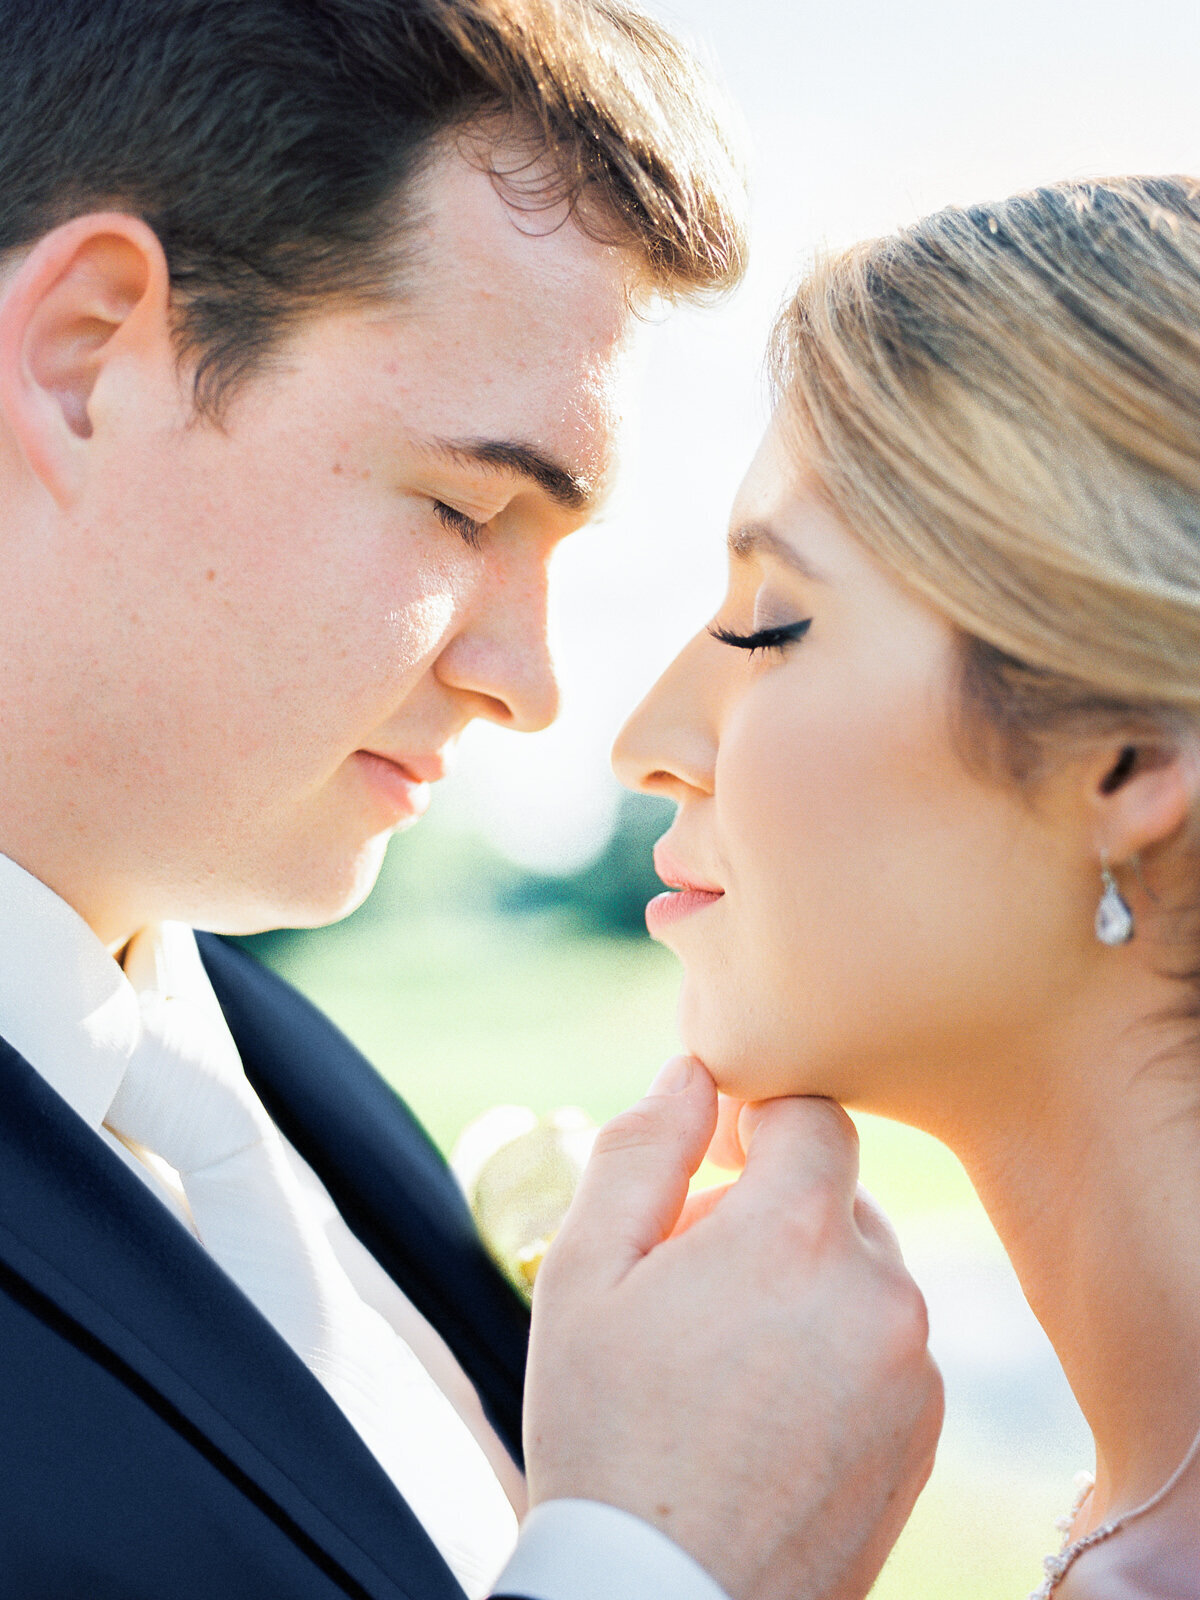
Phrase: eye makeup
x=777 y=638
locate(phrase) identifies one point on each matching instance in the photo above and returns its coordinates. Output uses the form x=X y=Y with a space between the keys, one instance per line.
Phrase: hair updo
x=1003 y=404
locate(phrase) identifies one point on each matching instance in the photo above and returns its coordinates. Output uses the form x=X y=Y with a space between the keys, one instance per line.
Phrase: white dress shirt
x=74 y=1014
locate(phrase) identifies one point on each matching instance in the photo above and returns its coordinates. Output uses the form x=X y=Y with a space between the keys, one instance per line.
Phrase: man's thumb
x=633 y=1189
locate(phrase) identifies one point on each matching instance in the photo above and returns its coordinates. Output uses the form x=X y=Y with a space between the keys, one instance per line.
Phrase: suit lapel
x=86 y=1236
x=384 y=1175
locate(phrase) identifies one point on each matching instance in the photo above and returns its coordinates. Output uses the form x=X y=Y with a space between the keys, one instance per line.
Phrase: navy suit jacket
x=158 y=1439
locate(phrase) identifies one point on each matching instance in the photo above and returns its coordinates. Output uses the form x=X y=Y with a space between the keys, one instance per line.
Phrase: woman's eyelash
x=468 y=529
x=763 y=638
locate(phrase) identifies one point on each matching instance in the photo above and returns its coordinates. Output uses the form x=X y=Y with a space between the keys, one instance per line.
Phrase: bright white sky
x=861 y=117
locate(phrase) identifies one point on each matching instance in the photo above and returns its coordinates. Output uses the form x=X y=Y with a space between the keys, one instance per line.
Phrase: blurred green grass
x=464 y=1011
x=460 y=1014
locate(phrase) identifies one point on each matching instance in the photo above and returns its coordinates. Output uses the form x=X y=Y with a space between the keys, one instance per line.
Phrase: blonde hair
x=1003 y=403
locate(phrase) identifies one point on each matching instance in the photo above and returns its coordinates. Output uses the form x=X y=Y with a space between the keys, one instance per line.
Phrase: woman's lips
x=672 y=907
x=687 y=893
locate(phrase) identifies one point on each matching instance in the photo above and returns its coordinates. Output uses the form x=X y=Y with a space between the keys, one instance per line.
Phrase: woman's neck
x=1094 y=1189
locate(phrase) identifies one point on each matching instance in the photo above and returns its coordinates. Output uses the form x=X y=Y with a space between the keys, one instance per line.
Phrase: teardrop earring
x=1114 y=919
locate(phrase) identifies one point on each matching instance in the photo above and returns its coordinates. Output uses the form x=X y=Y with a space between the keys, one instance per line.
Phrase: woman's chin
x=753 y=1068
x=753 y=1055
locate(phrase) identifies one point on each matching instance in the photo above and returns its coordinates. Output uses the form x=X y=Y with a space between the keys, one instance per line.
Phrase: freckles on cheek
x=417 y=628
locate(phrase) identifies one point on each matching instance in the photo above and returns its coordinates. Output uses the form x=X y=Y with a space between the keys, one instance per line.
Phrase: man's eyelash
x=468 y=529
x=764 y=638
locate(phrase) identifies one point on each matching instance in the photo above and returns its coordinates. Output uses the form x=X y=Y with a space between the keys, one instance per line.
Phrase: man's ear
x=1142 y=795
x=88 y=296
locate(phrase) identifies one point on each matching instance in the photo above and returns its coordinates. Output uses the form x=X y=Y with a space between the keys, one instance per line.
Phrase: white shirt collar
x=74 y=1014
x=65 y=1003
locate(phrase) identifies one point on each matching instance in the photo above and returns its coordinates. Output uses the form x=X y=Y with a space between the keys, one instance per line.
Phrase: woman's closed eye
x=777 y=638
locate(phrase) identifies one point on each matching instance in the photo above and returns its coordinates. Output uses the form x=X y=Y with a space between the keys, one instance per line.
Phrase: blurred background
x=503 y=957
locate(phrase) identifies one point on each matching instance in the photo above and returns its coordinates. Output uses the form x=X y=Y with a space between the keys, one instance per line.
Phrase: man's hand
x=758 y=1386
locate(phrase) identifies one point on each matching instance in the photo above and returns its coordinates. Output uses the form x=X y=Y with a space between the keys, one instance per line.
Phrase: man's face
x=266 y=634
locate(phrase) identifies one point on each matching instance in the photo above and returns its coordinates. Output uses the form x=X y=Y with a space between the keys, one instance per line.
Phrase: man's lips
x=428 y=768
x=687 y=894
x=401 y=782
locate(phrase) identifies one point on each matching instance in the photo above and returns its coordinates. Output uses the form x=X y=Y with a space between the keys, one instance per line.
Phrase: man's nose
x=500 y=659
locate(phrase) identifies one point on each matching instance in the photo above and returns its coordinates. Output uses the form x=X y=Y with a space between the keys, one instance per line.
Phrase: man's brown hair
x=272 y=144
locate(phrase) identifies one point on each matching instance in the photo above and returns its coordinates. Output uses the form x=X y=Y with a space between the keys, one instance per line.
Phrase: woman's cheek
x=772 y=790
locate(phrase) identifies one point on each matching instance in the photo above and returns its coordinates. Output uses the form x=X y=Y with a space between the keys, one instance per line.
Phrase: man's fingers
x=796 y=1150
x=726 y=1148
x=829 y=1159
x=635 y=1184
x=875 y=1227
x=698 y=1205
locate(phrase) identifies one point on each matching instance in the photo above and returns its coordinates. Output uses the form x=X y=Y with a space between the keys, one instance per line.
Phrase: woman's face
x=867 y=911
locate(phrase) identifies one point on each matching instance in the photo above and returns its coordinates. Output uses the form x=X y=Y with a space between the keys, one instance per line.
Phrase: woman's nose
x=669 y=745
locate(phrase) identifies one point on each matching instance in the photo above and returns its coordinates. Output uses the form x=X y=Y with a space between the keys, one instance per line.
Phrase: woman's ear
x=88 y=296
x=1142 y=794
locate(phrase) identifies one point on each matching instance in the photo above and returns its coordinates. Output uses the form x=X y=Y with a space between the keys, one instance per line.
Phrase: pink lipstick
x=687 y=893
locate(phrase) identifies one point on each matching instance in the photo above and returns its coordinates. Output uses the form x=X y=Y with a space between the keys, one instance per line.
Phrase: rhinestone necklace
x=1057 y=1567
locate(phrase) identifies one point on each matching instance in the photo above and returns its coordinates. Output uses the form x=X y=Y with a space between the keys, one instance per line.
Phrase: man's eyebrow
x=753 y=538
x=509 y=456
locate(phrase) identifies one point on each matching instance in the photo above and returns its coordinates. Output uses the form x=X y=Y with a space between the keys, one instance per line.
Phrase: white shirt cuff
x=585 y=1550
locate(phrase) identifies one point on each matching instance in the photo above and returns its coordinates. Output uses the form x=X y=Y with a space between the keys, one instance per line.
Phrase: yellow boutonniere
x=519 y=1172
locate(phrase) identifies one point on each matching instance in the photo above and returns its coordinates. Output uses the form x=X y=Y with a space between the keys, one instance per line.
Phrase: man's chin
x=306 y=899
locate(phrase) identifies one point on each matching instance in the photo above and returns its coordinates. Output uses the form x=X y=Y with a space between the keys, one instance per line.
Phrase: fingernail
x=674 y=1077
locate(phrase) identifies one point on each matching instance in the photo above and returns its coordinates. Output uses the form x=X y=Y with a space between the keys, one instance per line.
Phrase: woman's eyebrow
x=752 y=539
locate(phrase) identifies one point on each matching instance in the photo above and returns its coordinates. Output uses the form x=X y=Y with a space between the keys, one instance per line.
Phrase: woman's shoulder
x=1154 y=1559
